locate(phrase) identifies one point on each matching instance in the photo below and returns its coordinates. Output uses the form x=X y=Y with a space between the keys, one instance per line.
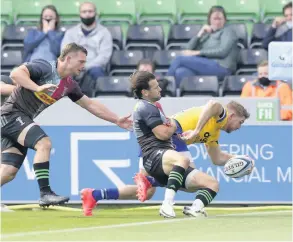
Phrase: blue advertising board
x=106 y=156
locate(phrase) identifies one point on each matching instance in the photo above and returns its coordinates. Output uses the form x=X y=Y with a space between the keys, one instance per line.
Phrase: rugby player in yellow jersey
x=195 y=125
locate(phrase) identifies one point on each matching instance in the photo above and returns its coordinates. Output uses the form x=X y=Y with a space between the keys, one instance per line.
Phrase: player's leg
x=12 y=157
x=32 y=136
x=207 y=187
x=168 y=168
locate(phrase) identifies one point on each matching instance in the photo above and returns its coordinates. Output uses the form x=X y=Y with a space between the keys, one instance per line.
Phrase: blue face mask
x=289 y=24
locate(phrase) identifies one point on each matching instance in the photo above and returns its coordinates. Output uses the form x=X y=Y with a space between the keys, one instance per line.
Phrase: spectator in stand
x=148 y=65
x=213 y=51
x=96 y=39
x=263 y=87
x=281 y=29
x=44 y=42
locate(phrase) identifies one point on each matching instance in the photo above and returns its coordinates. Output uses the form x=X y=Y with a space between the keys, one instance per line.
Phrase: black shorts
x=153 y=164
x=11 y=127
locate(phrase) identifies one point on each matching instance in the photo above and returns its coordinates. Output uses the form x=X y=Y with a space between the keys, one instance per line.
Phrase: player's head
x=73 y=58
x=237 y=114
x=145 y=86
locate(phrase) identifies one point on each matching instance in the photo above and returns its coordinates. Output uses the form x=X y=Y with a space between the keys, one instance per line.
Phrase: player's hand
x=278 y=21
x=189 y=136
x=47 y=88
x=125 y=122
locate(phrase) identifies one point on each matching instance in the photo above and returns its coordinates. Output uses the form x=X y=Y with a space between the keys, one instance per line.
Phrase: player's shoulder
x=144 y=106
x=41 y=63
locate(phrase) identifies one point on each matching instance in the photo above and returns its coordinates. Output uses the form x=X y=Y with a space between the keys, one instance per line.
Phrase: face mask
x=289 y=24
x=88 y=21
x=47 y=19
x=264 y=81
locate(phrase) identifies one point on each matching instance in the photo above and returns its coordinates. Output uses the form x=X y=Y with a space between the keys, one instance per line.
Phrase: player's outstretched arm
x=217 y=156
x=101 y=111
x=211 y=109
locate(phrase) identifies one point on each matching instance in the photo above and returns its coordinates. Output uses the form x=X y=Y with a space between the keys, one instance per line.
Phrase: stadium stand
x=154 y=29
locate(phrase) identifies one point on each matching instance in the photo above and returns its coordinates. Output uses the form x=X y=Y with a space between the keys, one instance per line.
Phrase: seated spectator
x=212 y=52
x=96 y=39
x=263 y=87
x=45 y=42
x=148 y=65
x=281 y=29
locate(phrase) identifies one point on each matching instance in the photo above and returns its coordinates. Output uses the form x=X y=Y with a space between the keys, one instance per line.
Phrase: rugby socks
x=42 y=175
x=108 y=194
x=153 y=181
x=175 y=181
x=203 y=198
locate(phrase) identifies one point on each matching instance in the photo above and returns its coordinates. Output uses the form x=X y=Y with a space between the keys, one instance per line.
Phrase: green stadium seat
x=272 y=9
x=156 y=10
x=6 y=12
x=28 y=10
x=68 y=10
x=244 y=10
x=116 y=11
x=195 y=11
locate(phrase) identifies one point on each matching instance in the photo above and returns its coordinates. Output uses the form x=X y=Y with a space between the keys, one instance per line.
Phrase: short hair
x=94 y=5
x=288 y=5
x=239 y=109
x=216 y=9
x=140 y=81
x=146 y=62
x=263 y=63
x=71 y=48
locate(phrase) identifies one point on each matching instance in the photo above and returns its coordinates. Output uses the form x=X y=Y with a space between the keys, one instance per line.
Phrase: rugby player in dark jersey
x=153 y=132
x=42 y=83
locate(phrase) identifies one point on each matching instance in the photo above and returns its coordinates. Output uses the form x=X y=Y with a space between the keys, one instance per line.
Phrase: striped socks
x=206 y=196
x=175 y=179
x=42 y=175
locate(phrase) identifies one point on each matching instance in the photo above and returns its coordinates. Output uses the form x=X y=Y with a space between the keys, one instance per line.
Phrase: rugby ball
x=238 y=166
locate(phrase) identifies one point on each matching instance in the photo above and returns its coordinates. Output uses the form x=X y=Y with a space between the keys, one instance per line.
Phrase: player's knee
x=8 y=172
x=44 y=144
x=184 y=162
x=151 y=192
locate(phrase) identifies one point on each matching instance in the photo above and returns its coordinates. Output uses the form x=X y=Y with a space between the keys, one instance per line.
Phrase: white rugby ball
x=238 y=166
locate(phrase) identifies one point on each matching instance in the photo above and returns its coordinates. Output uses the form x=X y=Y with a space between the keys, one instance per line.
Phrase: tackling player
x=42 y=83
x=208 y=121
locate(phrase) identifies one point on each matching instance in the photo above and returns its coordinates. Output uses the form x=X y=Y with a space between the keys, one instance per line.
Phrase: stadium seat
x=194 y=10
x=29 y=11
x=10 y=59
x=233 y=85
x=180 y=34
x=145 y=37
x=243 y=10
x=249 y=59
x=124 y=62
x=116 y=11
x=272 y=9
x=156 y=10
x=68 y=10
x=258 y=34
x=241 y=32
x=163 y=59
x=113 y=86
x=199 y=86
x=117 y=36
x=14 y=35
x=6 y=11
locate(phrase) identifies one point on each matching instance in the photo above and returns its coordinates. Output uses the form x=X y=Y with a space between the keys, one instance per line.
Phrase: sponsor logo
x=20 y=121
x=45 y=98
